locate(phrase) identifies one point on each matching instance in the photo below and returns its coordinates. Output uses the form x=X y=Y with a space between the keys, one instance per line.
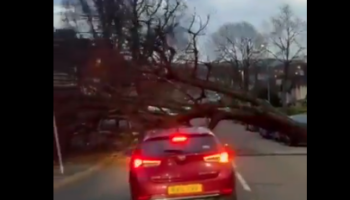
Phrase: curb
x=85 y=173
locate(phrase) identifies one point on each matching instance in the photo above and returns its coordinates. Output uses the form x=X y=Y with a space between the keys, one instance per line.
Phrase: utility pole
x=58 y=145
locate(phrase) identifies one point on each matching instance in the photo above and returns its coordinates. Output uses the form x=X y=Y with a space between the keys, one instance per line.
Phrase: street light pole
x=58 y=145
x=263 y=50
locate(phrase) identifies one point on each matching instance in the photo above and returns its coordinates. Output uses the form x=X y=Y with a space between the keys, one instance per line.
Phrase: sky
x=222 y=11
x=256 y=12
x=252 y=11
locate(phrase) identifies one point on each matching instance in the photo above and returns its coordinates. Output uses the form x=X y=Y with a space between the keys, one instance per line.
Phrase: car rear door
x=183 y=160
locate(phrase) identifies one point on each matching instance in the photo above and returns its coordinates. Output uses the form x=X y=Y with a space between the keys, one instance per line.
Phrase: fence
x=63 y=80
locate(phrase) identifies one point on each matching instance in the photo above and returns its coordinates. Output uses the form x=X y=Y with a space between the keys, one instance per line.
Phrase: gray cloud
x=255 y=12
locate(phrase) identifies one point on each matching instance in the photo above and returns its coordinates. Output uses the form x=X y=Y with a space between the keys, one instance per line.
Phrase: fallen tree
x=135 y=60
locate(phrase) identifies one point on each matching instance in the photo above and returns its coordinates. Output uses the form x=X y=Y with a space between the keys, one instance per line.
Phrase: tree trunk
x=285 y=84
x=246 y=76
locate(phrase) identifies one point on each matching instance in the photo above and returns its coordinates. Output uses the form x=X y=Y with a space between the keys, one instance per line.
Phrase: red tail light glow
x=137 y=163
x=226 y=191
x=221 y=158
x=179 y=139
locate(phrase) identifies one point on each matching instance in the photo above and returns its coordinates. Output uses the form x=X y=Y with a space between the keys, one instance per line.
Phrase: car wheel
x=276 y=136
x=262 y=133
x=248 y=128
x=289 y=141
x=279 y=137
x=132 y=189
x=231 y=197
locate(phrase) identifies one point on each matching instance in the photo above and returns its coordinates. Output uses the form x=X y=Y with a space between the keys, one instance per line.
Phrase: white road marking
x=241 y=180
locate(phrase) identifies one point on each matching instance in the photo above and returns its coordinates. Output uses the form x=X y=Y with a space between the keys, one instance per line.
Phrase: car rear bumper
x=202 y=197
x=216 y=188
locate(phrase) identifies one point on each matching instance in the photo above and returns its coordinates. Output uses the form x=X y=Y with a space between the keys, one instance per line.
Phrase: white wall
x=297 y=93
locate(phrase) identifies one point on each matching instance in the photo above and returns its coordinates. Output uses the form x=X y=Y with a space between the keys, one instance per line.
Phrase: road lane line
x=241 y=180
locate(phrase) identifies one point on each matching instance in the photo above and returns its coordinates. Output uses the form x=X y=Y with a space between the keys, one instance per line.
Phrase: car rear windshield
x=162 y=146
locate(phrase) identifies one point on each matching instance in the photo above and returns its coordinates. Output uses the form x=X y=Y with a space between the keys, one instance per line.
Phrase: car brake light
x=137 y=163
x=221 y=158
x=179 y=139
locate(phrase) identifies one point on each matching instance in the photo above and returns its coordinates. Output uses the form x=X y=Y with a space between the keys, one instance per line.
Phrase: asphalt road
x=266 y=171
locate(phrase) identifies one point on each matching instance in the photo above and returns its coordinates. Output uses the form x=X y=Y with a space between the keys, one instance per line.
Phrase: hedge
x=294 y=110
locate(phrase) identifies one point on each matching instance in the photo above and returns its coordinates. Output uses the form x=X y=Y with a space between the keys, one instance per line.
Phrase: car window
x=300 y=118
x=194 y=144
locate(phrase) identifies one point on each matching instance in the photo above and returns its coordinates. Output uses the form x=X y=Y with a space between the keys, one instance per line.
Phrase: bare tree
x=239 y=45
x=286 y=41
x=131 y=38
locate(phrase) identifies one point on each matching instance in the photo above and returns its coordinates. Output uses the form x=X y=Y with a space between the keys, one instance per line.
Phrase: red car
x=182 y=163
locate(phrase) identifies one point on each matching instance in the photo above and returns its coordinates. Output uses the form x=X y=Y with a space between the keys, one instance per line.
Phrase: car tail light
x=137 y=163
x=179 y=139
x=221 y=158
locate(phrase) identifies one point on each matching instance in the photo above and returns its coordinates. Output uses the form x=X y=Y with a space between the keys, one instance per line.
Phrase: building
x=265 y=73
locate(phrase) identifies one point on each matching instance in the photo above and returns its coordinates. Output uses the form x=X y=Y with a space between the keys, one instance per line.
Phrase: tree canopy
x=145 y=53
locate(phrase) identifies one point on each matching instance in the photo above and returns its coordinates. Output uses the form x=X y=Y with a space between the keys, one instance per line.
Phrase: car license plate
x=185 y=189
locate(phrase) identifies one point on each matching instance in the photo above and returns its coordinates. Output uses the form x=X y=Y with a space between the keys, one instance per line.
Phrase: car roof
x=183 y=130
